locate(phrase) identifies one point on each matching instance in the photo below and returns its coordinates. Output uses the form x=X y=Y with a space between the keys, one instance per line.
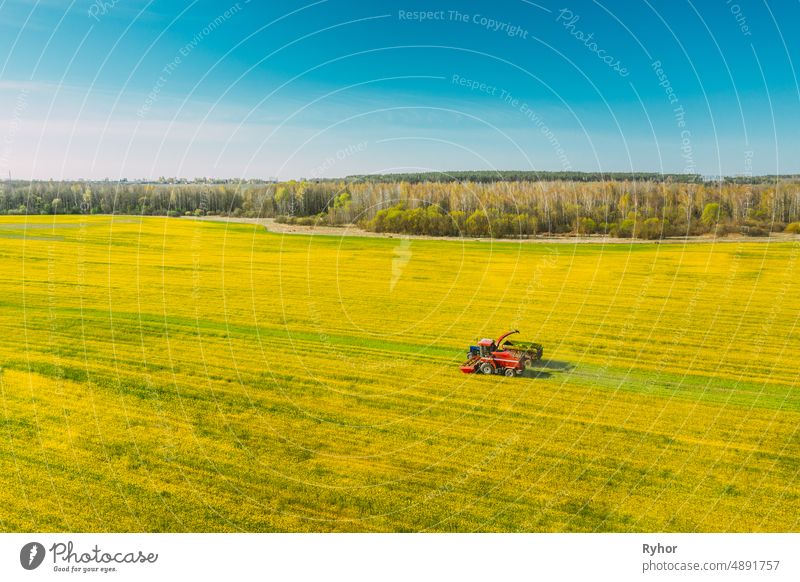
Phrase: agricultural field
x=164 y=374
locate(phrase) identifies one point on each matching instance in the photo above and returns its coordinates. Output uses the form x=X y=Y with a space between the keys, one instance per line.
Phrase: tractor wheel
x=509 y=372
x=486 y=368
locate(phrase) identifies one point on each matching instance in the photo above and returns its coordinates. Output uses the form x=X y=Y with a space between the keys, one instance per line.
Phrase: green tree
x=585 y=225
x=652 y=228
x=711 y=214
x=793 y=228
x=477 y=224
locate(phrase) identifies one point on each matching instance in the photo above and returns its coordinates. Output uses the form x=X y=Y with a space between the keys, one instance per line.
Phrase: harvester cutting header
x=503 y=356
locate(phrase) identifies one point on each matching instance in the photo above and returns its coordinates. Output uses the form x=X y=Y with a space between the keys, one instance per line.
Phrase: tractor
x=502 y=356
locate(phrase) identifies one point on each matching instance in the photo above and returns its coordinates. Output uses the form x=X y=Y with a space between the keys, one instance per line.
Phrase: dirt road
x=352 y=230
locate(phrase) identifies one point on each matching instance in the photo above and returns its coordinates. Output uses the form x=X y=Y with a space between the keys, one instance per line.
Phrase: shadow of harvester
x=545 y=369
x=554 y=365
x=535 y=373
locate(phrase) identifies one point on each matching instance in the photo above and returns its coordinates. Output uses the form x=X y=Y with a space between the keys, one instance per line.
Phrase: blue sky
x=136 y=88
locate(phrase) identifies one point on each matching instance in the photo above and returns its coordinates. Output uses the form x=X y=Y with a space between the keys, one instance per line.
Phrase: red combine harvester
x=502 y=356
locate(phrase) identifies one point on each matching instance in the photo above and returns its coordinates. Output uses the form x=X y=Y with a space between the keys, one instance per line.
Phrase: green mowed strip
x=172 y=375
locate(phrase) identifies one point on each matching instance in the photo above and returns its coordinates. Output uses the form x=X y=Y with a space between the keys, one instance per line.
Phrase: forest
x=523 y=176
x=467 y=204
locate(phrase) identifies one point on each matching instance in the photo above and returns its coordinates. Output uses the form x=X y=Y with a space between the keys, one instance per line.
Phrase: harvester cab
x=486 y=346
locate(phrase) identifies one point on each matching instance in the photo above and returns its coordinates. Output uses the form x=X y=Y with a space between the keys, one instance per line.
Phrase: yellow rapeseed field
x=177 y=375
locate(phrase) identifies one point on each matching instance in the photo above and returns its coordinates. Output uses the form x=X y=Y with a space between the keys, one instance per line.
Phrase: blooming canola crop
x=178 y=375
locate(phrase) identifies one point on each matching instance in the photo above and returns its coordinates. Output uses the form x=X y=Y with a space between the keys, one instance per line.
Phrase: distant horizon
x=197 y=179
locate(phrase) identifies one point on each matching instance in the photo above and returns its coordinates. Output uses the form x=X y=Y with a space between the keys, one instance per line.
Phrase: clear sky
x=288 y=89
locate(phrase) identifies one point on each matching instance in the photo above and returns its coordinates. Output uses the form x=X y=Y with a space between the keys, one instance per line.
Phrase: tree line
x=484 y=176
x=648 y=209
x=639 y=209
